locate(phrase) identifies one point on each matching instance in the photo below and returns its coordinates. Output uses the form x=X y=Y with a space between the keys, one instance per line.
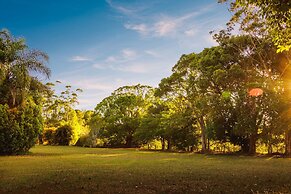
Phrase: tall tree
x=121 y=113
x=58 y=110
x=18 y=65
x=20 y=94
x=273 y=17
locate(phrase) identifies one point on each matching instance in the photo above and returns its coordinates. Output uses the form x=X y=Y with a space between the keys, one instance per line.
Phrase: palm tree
x=20 y=69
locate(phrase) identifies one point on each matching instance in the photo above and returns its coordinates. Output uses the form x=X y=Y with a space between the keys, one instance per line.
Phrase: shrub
x=48 y=136
x=86 y=141
x=63 y=135
x=19 y=128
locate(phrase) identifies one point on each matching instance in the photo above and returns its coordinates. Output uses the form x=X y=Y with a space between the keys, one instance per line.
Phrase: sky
x=100 y=45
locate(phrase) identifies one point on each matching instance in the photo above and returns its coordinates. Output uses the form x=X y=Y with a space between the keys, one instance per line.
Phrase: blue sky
x=100 y=45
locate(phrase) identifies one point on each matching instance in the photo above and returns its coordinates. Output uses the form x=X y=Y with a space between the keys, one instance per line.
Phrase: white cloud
x=140 y=28
x=190 y=32
x=80 y=58
x=168 y=26
x=165 y=27
x=152 y=53
x=125 y=55
x=128 y=54
x=120 y=9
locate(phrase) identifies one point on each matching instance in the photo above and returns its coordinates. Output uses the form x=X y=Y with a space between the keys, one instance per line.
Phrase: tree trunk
x=245 y=146
x=163 y=144
x=169 y=144
x=288 y=143
x=270 y=148
x=203 y=134
x=252 y=144
x=40 y=142
x=128 y=141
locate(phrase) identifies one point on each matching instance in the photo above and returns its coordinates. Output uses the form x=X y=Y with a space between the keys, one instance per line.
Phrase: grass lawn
x=51 y=169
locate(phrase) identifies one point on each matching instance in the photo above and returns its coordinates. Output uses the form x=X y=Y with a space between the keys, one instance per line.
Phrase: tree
x=20 y=94
x=216 y=83
x=272 y=16
x=268 y=20
x=17 y=63
x=178 y=86
x=151 y=126
x=121 y=115
x=255 y=64
x=63 y=135
x=58 y=111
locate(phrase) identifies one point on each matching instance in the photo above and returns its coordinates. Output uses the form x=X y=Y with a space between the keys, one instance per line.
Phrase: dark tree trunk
x=288 y=143
x=128 y=140
x=40 y=142
x=252 y=144
x=169 y=144
x=245 y=146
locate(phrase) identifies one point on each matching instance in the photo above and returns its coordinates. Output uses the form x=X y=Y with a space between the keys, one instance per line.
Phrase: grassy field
x=88 y=170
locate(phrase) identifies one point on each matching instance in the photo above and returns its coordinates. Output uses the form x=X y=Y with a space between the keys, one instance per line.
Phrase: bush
x=19 y=128
x=48 y=136
x=86 y=141
x=63 y=135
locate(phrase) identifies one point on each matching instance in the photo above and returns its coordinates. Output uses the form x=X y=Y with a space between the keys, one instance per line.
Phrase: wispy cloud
x=80 y=58
x=190 y=32
x=169 y=26
x=131 y=61
x=125 y=55
x=152 y=53
x=121 y=9
x=143 y=29
x=165 y=25
x=128 y=54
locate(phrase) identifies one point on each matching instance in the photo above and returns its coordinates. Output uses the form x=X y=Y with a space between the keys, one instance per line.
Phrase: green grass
x=90 y=170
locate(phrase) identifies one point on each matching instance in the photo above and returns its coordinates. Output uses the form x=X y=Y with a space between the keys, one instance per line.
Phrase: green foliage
x=63 y=135
x=58 y=111
x=20 y=94
x=17 y=63
x=118 y=116
x=48 y=136
x=261 y=17
x=169 y=121
x=214 y=84
x=19 y=128
x=86 y=141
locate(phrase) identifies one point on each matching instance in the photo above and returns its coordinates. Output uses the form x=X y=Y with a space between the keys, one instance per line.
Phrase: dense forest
x=234 y=97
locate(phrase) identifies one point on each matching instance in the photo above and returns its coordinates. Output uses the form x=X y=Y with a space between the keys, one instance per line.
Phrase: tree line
x=208 y=98
x=236 y=93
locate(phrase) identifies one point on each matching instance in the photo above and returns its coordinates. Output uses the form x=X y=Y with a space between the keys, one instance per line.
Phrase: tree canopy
x=272 y=16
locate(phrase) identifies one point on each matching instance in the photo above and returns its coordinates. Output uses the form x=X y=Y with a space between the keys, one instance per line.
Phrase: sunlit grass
x=88 y=170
